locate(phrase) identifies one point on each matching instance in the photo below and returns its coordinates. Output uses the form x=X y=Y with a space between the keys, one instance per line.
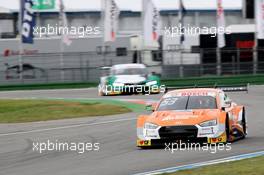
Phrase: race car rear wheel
x=100 y=93
x=244 y=123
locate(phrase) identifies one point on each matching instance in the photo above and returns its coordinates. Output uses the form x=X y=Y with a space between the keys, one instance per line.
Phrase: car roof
x=126 y=66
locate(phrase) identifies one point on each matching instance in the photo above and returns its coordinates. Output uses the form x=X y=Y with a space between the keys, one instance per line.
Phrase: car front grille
x=178 y=132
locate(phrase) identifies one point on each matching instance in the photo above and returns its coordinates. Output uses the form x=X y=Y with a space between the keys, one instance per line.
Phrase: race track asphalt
x=118 y=154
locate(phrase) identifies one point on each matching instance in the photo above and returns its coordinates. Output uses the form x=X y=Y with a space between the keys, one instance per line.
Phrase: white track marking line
x=201 y=164
x=63 y=127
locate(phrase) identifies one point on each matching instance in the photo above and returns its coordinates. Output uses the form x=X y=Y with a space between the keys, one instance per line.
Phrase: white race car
x=129 y=79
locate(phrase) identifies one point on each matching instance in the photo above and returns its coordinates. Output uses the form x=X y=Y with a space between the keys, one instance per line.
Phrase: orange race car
x=205 y=115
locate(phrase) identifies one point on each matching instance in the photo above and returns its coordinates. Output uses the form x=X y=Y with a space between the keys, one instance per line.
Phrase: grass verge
x=20 y=111
x=253 y=166
x=132 y=106
x=47 y=86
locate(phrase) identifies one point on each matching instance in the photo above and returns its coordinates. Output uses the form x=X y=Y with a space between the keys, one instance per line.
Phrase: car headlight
x=209 y=123
x=150 y=126
x=118 y=84
x=151 y=83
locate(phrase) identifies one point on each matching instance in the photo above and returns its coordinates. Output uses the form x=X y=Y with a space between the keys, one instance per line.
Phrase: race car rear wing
x=225 y=88
x=243 y=88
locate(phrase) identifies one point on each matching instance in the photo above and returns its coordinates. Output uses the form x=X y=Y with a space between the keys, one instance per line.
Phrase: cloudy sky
x=136 y=4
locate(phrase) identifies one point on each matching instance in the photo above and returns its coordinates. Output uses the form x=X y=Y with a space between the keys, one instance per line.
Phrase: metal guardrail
x=85 y=67
x=225 y=88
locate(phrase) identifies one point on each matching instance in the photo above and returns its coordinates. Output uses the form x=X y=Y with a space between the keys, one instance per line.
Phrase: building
x=195 y=17
x=130 y=25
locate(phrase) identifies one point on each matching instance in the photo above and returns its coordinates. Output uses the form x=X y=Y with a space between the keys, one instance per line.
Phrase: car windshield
x=187 y=103
x=130 y=71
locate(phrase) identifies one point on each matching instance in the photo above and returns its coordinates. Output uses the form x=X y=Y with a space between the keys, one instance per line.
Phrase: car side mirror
x=227 y=105
x=155 y=74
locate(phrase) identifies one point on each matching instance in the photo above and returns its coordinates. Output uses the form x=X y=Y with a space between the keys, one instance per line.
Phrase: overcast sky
x=136 y=4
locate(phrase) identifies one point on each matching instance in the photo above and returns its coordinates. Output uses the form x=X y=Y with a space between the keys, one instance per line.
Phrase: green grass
x=132 y=106
x=18 y=111
x=252 y=166
x=47 y=86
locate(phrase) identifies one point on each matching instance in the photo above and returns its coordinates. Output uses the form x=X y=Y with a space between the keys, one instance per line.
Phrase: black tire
x=101 y=94
x=227 y=129
x=244 y=123
x=142 y=147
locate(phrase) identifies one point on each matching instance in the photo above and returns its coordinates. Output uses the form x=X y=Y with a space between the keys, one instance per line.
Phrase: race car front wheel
x=227 y=129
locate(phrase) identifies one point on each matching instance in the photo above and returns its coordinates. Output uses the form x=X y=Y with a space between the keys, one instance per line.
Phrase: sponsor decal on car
x=220 y=139
x=144 y=142
x=179 y=117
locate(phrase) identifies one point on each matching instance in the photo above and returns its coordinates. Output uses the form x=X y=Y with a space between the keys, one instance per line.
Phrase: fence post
x=255 y=60
x=141 y=54
x=219 y=62
x=233 y=65
x=81 y=66
x=181 y=64
x=238 y=61
x=87 y=70
x=21 y=67
x=201 y=62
